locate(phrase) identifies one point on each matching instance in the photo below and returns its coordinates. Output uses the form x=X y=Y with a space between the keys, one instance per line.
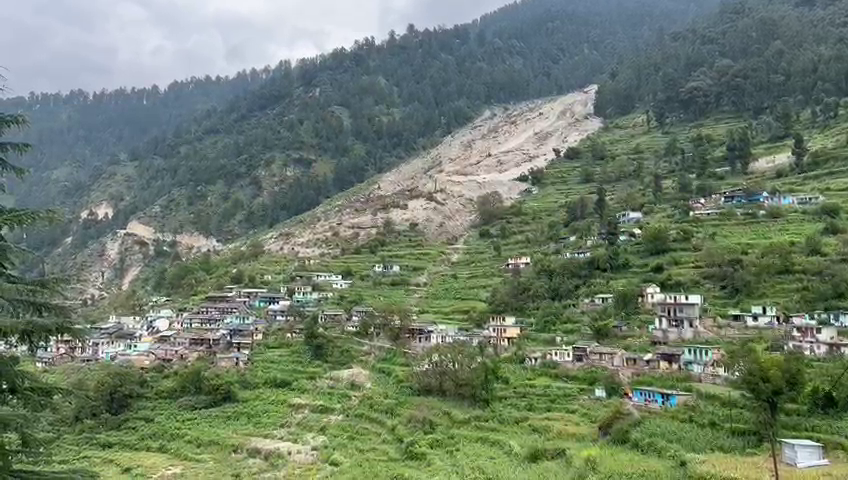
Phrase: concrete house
x=802 y=453
x=650 y=295
x=576 y=254
x=326 y=277
x=503 y=330
x=341 y=284
x=196 y=321
x=659 y=398
x=231 y=360
x=837 y=318
x=612 y=357
x=580 y=351
x=332 y=316
x=760 y=316
x=703 y=359
x=223 y=309
x=678 y=317
x=560 y=354
x=269 y=299
x=817 y=340
x=301 y=298
x=665 y=359
x=598 y=301
x=629 y=218
x=357 y=315
x=518 y=263
x=386 y=269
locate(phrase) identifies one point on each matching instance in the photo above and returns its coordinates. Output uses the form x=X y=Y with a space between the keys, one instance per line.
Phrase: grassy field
x=542 y=424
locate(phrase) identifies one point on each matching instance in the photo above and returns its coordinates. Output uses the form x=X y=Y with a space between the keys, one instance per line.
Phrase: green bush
x=546 y=453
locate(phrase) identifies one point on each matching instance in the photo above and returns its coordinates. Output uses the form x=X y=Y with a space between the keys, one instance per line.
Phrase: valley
x=571 y=240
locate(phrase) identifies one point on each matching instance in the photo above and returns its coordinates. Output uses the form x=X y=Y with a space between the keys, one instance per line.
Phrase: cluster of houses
x=815 y=334
x=225 y=326
x=501 y=332
x=740 y=197
x=677 y=316
x=704 y=361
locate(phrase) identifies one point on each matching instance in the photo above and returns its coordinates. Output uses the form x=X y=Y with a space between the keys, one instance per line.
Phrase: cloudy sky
x=54 y=45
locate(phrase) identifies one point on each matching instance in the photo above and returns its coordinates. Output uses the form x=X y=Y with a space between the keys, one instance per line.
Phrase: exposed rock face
x=437 y=190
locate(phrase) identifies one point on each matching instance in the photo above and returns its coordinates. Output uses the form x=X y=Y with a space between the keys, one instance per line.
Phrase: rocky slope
x=437 y=190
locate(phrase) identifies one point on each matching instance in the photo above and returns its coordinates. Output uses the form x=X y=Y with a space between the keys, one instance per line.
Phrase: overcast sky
x=51 y=45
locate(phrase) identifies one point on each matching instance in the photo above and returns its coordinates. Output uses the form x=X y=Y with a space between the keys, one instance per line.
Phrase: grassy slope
x=387 y=432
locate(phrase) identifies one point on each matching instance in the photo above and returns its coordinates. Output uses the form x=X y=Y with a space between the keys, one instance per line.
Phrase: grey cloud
x=54 y=45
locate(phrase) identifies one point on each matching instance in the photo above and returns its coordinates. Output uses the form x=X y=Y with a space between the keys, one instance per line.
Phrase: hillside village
x=228 y=325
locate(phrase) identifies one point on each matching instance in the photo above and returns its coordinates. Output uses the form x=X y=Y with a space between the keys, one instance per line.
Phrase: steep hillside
x=314 y=128
x=765 y=58
x=325 y=124
x=436 y=192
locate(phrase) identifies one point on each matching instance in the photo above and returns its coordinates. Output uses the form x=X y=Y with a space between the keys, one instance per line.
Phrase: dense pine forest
x=762 y=58
x=317 y=126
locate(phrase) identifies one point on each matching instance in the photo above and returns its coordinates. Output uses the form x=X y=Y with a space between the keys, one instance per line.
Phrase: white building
x=760 y=316
x=678 y=317
x=341 y=284
x=518 y=263
x=802 y=453
x=629 y=217
x=576 y=254
x=818 y=341
x=651 y=294
x=380 y=268
x=326 y=277
x=560 y=354
x=598 y=301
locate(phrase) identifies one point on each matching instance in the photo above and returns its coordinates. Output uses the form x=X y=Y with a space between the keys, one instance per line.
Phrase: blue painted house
x=657 y=397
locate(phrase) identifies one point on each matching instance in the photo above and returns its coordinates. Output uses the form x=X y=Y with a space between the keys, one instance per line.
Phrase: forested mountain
x=324 y=124
x=77 y=134
x=757 y=57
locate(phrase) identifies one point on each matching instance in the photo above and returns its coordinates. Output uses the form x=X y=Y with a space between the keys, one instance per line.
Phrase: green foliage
x=105 y=390
x=656 y=239
x=460 y=371
x=829 y=210
x=32 y=310
x=289 y=136
x=751 y=56
x=199 y=386
x=800 y=150
x=490 y=207
x=546 y=453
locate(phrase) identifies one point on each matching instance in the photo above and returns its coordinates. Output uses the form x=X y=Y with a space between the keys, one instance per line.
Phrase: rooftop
x=662 y=390
x=796 y=441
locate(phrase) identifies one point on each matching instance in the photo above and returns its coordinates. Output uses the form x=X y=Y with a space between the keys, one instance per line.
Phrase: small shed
x=600 y=392
x=802 y=453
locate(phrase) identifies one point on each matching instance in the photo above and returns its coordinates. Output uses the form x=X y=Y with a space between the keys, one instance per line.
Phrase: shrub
x=199 y=386
x=490 y=207
x=656 y=239
x=105 y=390
x=775 y=211
x=833 y=227
x=829 y=210
x=458 y=371
x=546 y=453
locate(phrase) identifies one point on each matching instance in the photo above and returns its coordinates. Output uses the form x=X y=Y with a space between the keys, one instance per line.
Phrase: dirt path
x=437 y=190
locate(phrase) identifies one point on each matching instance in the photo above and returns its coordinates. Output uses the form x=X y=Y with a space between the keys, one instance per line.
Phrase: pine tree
x=799 y=151
x=31 y=313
